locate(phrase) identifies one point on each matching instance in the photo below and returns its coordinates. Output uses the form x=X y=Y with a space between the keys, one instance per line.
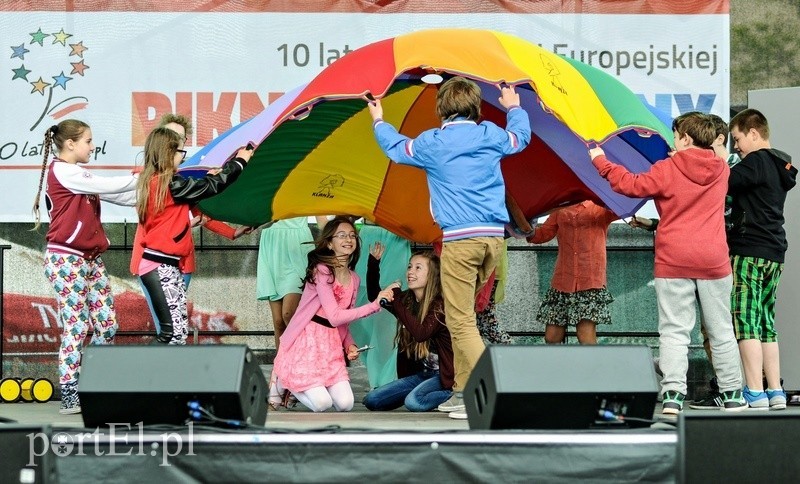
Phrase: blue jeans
x=420 y=393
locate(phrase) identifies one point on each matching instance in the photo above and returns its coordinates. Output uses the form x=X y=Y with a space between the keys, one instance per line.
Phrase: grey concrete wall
x=781 y=106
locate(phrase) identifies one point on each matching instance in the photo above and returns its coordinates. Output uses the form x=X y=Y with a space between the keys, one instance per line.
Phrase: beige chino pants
x=466 y=264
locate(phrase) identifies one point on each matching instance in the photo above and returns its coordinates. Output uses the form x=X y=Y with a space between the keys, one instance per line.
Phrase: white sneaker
x=70 y=410
x=454 y=404
x=458 y=415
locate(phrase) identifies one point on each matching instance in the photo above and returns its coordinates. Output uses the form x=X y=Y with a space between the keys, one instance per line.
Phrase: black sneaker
x=733 y=401
x=672 y=402
x=712 y=402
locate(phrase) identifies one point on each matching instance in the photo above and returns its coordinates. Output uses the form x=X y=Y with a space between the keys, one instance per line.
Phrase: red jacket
x=688 y=189
x=582 y=230
x=166 y=236
x=188 y=264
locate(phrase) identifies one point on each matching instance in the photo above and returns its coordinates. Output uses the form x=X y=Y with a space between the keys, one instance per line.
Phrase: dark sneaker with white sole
x=712 y=402
x=672 y=403
x=70 y=403
x=730 y=401
x=733 y=401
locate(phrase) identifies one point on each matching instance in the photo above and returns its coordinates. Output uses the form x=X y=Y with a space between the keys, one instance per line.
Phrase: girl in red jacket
x=163 y=204
x=75 y=240
x=183 y=126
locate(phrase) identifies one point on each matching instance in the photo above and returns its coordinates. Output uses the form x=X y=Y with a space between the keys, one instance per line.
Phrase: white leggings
x=319 y=399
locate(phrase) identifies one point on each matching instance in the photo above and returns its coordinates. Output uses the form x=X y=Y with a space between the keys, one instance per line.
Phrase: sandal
x=289 y=400
x=275 y=400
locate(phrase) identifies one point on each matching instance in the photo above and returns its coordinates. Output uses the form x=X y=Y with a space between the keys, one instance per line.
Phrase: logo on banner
x=44 y=62
x=554 y=73
x=327 y=184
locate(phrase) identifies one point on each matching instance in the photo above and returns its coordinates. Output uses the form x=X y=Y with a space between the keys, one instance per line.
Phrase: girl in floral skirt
x=577 y=296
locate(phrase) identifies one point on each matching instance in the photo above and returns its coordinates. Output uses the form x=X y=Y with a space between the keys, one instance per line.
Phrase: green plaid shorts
x=755 y=282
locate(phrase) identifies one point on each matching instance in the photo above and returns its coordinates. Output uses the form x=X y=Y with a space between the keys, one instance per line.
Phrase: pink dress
x=316 y=358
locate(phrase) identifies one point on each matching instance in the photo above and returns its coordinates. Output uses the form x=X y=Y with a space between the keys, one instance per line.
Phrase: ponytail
x=48 y=141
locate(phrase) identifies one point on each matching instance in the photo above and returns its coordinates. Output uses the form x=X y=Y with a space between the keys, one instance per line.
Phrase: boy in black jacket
x=757 y=243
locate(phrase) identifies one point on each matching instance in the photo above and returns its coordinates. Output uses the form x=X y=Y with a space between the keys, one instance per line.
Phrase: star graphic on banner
x=19 y=51
x=61 y=80
x=78 y=49
x=20 y=73
x=78 y=67
x=61 y=37
x=39 y=86
x=38 y=37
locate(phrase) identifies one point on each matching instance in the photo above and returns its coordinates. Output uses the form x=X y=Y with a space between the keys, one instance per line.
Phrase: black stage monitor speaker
x=26 y=454
x=741 y=447
x=561 y=387
x=154 y=384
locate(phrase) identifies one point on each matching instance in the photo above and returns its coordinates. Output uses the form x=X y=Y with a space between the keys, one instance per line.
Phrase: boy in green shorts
x=757 y=243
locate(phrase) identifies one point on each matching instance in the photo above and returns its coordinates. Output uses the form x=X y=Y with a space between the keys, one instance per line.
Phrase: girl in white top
x=75 y=241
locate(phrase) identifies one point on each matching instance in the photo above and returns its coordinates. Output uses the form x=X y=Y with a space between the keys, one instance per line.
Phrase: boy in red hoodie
x=691 y=255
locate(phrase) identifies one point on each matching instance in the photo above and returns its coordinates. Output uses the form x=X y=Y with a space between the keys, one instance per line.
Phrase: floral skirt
x=563 y=309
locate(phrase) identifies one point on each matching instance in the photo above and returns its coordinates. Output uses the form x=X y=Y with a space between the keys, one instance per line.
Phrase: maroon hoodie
x=689 y=190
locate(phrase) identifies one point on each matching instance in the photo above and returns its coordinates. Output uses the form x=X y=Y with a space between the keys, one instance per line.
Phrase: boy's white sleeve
x=82 y=181
x=397 y=147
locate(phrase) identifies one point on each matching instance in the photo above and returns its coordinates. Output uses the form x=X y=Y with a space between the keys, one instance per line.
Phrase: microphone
x=385 y=303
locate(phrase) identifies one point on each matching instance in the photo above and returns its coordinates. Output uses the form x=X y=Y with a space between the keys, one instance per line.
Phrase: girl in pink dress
x=310 y=362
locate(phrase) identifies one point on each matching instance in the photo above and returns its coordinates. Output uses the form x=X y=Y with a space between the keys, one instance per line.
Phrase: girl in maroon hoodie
x=424 y=348
x=691 y=255
x=75 y=241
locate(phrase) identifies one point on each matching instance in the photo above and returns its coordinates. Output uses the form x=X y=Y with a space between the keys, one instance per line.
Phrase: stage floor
x=298 y=418
x=301 y=446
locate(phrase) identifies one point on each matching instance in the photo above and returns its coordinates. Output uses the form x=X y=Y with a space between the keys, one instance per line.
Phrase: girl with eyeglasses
x=311 y=358
x=164 y=231
x=75 y=241
x=183 y=126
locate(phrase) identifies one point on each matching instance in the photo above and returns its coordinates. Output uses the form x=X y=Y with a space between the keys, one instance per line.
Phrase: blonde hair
x=159 y=162
x=57 y=135
x=431 y=298
x=179 y=119
x=459 y=97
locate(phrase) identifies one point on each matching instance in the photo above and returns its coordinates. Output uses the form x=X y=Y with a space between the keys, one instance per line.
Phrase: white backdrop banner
x=120 y=68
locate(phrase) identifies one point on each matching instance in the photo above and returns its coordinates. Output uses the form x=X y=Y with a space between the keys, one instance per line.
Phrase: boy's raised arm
x=397 y=147
x=518 y=125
